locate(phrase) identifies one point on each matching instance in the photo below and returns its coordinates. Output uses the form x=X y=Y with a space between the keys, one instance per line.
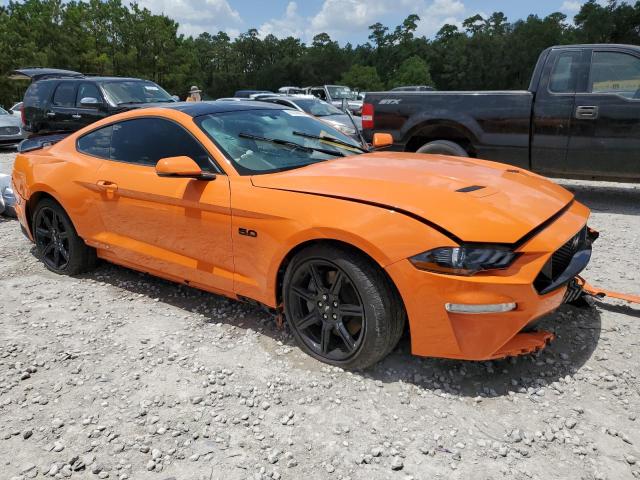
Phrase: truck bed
x=498 y=122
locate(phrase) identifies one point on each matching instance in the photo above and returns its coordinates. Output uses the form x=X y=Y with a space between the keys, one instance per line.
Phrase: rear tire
x=341 y=307
x=443 y=147
x=59 y=247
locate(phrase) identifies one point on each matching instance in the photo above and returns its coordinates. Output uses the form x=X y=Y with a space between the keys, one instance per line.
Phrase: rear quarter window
x=96 y=143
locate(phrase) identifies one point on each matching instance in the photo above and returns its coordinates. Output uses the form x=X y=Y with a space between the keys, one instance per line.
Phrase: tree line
x=110 y=38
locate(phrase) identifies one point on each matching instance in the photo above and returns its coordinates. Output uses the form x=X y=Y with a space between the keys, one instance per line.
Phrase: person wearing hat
x=194 y=94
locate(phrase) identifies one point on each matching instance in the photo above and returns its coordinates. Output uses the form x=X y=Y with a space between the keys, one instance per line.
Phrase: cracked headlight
x=465 y=260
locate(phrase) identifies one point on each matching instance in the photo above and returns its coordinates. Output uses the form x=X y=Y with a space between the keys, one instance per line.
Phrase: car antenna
x=353 y=122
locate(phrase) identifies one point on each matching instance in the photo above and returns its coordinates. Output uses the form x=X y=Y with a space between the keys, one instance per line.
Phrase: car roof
x=599 y=45
x=195 y=109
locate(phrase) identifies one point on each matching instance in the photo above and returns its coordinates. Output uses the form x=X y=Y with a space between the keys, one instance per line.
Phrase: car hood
x=474 y=200
x=10 y=121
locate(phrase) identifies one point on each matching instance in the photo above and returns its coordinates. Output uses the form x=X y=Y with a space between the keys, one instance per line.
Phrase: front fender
x=283 y=221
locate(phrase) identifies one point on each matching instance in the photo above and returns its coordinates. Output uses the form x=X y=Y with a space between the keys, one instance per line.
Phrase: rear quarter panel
x=66 y=176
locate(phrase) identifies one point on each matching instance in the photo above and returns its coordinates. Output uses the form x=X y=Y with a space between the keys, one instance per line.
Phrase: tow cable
x=600 y=293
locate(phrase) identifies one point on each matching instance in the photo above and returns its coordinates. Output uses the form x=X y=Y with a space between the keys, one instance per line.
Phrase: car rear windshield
x=251 y=156
x=317 y=108
x=338 y=93
x=121 y=92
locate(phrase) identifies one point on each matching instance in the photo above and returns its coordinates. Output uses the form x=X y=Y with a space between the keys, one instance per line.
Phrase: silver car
x=322 y=110
x=11 y=132
x=7 y=197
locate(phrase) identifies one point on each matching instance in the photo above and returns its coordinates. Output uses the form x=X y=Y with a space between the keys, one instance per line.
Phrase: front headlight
x=465 y=260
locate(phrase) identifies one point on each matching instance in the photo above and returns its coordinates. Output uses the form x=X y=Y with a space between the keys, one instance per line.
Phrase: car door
x=605 y=131
x=88 y=112
x=60 y=111
x=553 y=110
x=179 y=228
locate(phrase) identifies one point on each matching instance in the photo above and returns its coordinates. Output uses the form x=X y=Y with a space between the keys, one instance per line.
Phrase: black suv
x=65 y=101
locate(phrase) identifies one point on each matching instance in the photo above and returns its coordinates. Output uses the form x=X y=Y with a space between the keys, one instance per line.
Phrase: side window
x=65 y=95
x=615 y=72
x=96 y=143
x=37 y=94
x=565 y=73
x=87 y=90
x=144 y=141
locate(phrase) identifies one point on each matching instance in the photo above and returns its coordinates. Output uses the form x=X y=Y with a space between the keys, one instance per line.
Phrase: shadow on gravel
x=214 y=308
x=622 y=199
x=623 y=309
x=577 y=331
x=5 y=219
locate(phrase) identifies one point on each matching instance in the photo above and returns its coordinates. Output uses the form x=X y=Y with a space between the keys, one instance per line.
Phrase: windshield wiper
x=332 y=140
x=289 y=144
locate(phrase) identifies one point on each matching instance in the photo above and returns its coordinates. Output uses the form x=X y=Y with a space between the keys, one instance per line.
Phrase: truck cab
x=586 y=112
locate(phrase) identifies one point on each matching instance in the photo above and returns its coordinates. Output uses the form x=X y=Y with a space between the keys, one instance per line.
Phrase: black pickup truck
x=580 y=117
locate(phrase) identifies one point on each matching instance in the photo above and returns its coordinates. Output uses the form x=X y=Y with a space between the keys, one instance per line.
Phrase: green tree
x=363 y=78
x=413 y=71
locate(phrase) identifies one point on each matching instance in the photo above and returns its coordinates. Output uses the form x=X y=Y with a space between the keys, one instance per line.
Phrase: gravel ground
x=119 y=375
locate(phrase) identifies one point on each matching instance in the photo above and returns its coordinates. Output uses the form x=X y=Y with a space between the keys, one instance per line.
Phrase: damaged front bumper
x=439 y=332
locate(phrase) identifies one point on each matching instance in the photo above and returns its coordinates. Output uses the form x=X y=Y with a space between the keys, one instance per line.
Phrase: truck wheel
x=443 y=147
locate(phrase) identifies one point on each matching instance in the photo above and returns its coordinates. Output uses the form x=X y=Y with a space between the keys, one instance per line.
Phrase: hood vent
x=470 y=188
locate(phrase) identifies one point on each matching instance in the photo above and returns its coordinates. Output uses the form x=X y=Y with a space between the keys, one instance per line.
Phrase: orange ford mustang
x=258 y=202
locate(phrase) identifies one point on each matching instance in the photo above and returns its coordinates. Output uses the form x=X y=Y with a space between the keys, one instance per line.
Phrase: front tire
x=57 y=242
x=341 y=307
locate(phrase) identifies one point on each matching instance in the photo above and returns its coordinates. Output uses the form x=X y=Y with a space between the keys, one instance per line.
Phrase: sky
x=345 y=20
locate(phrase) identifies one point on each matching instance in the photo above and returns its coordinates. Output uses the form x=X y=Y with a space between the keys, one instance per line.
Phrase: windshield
x=3 y=111
x=317 y=108
x=134 y=91
x=242 y=136
x=338 y=93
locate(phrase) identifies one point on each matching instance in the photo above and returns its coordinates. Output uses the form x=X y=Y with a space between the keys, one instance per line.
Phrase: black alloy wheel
x=57 y=242
x=52 y=239
x=327 y=310
x=341 y=307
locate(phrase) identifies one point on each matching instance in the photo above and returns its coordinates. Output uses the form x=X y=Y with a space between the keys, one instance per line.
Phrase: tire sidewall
x=443 y=147
x=71 y=266
x=374 y=308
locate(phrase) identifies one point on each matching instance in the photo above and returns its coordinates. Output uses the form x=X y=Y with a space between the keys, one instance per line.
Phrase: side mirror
x=382 y=140
x=181 y=167
x=176 y=98
x=344 y=105
x=90 y=102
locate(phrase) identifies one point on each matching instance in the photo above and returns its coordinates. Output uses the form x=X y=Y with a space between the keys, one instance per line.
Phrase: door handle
x=587 y=112
x=76 y=115
x=51 y=114
x=107 y=186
